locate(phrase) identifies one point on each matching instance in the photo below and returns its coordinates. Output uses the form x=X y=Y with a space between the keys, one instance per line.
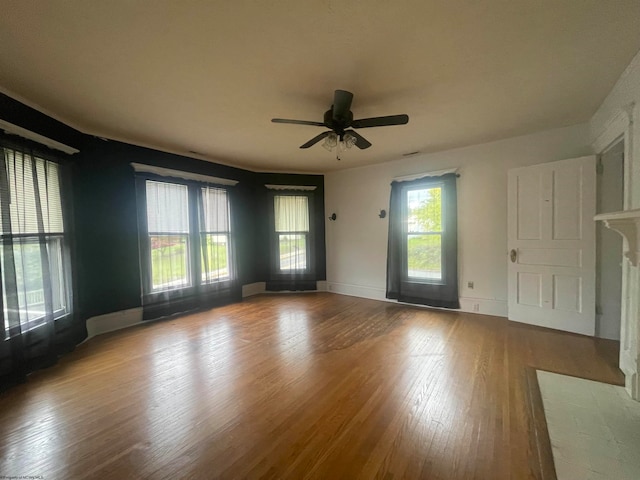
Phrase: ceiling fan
x=338 y=119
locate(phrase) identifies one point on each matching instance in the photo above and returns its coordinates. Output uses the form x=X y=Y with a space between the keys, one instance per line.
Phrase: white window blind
x=24 y=195
x=291 y=213
x=167 y=207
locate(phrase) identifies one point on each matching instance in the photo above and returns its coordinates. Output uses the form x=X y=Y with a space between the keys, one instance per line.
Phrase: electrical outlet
x=476 y=307
x=470 y=284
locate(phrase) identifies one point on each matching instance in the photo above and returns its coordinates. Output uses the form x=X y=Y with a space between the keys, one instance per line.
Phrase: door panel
x=551 y=229
x=528 y=187
x=529 y=289
x=567 y=204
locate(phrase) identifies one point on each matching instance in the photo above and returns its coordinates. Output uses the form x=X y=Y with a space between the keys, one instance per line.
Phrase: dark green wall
x=106 y=232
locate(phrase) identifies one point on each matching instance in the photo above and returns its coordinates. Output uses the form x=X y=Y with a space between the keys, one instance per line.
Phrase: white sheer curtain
x=32 y=250
x=168 y=229
x=292 y=230
x=37 y=315
x=188 y=255
x=214 y=234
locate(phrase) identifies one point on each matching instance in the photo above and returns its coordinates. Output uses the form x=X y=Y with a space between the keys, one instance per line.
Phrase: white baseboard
x=133 y=316
x=482 y=306
x=110 y=322
x=372 y=293
x=260 y=287
x=253 y=289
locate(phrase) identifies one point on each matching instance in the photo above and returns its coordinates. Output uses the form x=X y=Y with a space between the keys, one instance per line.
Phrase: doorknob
x=513 y=254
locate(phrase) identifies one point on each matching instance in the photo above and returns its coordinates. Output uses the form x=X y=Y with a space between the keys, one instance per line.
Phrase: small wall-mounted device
x=382 y=214
x=333 y=217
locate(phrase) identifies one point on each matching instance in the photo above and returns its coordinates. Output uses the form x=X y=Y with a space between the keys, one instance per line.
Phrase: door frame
x=620 y=127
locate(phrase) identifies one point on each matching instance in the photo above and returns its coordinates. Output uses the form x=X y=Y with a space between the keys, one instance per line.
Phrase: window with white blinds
x=183 y=220
x=33 y=253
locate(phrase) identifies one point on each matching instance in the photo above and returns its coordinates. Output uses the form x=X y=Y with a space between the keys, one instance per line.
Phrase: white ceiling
x=207 y=76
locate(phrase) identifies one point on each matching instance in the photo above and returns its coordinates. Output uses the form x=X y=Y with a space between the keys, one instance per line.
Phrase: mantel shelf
x=627 y=224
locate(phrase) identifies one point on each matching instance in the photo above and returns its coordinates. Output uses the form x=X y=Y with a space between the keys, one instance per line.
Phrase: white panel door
x=551 y=243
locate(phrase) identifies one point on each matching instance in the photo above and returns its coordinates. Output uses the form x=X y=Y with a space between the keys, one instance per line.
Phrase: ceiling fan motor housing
x=340 y=123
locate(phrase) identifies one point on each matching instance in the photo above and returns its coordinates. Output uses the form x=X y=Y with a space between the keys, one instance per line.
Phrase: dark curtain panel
x=292 y=258
x=187 y=246
x=38 y=304
x=422 y=253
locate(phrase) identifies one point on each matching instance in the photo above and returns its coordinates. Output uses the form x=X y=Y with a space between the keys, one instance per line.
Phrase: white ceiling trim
x=291 y=187
x=12 y=129
x=436 y=173
x=168 y=172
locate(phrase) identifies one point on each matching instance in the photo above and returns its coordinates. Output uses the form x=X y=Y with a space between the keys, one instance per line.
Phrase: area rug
x=594 y=428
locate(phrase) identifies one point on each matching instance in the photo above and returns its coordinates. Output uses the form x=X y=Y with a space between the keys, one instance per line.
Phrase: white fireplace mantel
x=627 y=224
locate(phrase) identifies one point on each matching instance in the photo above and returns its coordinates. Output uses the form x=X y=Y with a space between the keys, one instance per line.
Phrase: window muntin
x=30 y=233
x=292 y=231
x=424 y=262
x=214 y=235
x=168 y=230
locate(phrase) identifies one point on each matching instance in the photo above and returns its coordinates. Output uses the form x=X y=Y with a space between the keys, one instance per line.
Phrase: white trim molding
x=111 y=322
x=620 y=127
x=482 y=306
x=169 y=172
x=12 y=129
x=252 y=289
x=307 y=188
x=416 y=176
x=259 y=288
x=614 y=129
x=627 y=224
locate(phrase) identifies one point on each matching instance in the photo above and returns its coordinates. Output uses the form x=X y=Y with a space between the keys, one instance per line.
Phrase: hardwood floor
x=295 y=386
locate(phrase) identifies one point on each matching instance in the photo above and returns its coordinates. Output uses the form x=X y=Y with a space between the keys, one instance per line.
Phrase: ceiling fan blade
x=314 y=140
x=297 y=122
x=361 y=142
x=341 y=103
x=381 y=121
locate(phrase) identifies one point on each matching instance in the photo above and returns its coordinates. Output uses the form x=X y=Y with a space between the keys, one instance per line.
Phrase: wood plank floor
x=295 y=386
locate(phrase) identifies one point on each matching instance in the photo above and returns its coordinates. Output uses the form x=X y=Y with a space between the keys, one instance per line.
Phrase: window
x=292 y=229
x=214 y=235
x=424 y=233
x=188 y=237
x=33 y=252
x=422 y=252
x=292 y=241
x=168 y=227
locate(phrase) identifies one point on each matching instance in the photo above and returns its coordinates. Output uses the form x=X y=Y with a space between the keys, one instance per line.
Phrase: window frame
x=64 y=284
x=189 y=267
x=204 y=233
x=425 y=185
x=194 y=263
x=277 y=273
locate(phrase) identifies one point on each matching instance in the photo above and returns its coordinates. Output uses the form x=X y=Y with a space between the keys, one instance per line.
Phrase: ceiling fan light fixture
x=349 y=140
x=330 y=141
